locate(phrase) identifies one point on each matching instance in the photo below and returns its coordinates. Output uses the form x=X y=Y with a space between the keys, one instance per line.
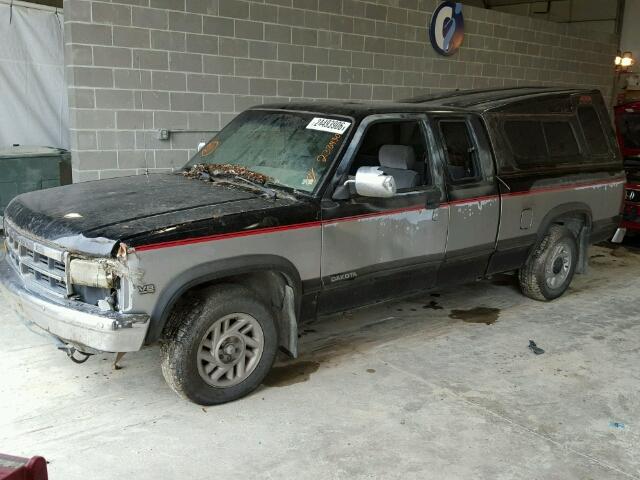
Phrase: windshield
x=294 y=150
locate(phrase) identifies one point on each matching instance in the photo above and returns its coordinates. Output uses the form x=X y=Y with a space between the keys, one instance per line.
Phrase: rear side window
x=541 y=142
x=527 y=140
x=593 y=131
x=561 y=140
x=461 y=153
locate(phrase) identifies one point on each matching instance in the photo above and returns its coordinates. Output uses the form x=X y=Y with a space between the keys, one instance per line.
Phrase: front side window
x=461 y=154
x=293 y=150
x=398 y=147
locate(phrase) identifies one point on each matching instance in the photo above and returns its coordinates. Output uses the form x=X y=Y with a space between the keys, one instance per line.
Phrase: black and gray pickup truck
x=298 y=210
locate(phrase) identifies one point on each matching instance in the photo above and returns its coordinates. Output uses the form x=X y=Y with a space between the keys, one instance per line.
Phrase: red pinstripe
x=297 y=226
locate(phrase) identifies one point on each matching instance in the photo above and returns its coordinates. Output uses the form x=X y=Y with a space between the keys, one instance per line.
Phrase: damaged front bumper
x=86 y=327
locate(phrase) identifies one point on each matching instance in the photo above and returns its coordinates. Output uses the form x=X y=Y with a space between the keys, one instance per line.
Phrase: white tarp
x=33 y=96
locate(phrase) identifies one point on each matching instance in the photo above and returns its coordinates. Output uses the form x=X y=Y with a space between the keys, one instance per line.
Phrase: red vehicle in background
x=628 y=130
x=16 y=468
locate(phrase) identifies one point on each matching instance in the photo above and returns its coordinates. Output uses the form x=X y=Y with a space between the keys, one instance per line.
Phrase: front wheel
x=222 y=345
x=550 y=268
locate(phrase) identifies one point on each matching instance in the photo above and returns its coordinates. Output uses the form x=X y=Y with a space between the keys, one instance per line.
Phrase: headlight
x=90 y=273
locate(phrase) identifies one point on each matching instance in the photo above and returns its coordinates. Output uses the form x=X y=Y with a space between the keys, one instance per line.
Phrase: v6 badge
x=146 y=289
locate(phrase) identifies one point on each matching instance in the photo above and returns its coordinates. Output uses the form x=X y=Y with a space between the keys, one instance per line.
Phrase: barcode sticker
x=328 y=125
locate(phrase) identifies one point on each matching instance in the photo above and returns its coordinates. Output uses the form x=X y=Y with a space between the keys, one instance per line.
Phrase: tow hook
x=71 y=351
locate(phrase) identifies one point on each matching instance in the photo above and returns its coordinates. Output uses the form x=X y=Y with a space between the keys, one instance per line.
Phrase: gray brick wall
x=137 y=66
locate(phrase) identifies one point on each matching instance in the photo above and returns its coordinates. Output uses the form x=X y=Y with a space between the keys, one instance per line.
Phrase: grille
x=37 y=263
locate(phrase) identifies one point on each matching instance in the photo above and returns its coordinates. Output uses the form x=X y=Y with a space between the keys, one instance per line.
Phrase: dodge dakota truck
x=298 y=210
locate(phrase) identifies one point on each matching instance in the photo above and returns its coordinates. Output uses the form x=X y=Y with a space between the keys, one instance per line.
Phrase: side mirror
x=342 y=192
x=372 y=182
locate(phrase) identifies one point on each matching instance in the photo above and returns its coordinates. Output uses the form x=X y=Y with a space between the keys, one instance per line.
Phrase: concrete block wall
x=137 y=66
x=593 y=14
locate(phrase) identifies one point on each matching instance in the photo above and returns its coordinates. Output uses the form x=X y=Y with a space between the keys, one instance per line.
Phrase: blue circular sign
x=446 y=31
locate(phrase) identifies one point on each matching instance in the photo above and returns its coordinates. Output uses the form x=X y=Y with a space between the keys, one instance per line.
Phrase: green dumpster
x=25 y=169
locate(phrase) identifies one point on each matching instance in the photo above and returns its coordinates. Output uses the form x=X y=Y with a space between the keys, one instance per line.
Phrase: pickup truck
x=298 y=210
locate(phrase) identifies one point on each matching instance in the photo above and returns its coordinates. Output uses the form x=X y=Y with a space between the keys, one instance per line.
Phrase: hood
x=92 y=217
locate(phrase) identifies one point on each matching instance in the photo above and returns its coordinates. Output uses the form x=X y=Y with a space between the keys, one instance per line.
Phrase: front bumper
x=85 y=327
x=631 y=216
x=631 y=226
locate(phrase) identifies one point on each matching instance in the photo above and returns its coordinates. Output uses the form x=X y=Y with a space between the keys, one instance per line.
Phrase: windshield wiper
x=237 y=174
x=271 y=193
x=279 y=192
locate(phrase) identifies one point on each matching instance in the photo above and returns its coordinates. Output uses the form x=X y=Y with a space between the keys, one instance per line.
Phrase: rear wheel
x=223 y=343
x=551 y=267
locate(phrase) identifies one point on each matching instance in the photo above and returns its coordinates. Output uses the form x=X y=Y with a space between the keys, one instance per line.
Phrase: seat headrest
x=401 y=157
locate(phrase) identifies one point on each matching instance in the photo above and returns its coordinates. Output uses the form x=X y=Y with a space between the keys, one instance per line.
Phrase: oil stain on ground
x=290 y=374
x=485 y=315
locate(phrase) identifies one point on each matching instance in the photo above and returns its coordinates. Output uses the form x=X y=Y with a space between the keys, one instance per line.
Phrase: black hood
x=92 y=217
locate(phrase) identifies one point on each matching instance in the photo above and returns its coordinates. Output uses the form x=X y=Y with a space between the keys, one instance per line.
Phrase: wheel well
x=575 y=222
x=273 y=288
x=578 y=223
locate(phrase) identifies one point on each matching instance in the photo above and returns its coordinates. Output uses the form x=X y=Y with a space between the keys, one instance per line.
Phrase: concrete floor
x=396 y=391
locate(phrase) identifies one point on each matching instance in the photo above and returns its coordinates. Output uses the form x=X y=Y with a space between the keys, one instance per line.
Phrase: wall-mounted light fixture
x=624 y=60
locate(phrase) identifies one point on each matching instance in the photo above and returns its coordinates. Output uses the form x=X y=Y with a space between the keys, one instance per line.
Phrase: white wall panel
x=33 y=99
x=630 y=38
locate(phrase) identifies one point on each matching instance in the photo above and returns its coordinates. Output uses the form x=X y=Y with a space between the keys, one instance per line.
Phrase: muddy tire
x=551 y=266
x=219 y=345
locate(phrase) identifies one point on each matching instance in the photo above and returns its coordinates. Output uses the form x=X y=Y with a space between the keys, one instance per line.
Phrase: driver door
x=379 y=248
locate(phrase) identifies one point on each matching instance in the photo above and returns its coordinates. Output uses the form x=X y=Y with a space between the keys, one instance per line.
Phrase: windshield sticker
x=311 y=178
x=209 y=148
x=326 y=153
x=328 y=125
